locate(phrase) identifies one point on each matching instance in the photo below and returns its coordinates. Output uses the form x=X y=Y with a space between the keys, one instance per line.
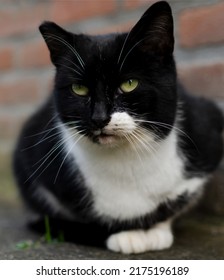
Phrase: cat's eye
x=80 y=89
x=129 y=85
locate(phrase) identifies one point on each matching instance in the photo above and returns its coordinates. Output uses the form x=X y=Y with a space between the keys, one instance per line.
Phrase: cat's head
x=118 y=87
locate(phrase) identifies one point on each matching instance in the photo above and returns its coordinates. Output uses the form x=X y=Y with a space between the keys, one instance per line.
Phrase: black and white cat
x=119 y=145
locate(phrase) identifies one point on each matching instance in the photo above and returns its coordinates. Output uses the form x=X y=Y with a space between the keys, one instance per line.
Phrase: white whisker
x=141 y=136
x=141 y=139
x=52 y=128
x=44 y=138
x=54 y=148
x=50 y=121
x=73 y=63
x=55 y=37
x=129 y=53
x=168 y=126
x=123 y=46
x=47 y=156
x=68 y=67
x=59 y=169
x=132 y=143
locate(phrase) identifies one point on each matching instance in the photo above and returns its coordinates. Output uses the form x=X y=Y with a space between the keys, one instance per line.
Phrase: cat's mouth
x=117 y=131
x=105 y=138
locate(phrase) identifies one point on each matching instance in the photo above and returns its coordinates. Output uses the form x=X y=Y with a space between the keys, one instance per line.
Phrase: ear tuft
x=56 y=38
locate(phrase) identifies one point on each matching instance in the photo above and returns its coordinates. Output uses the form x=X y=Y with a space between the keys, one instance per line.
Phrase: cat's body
x=129 y=150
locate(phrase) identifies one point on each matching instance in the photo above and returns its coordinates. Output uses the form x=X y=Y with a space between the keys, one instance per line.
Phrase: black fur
x=203 y=122
x=146 y=54
x=79 y=232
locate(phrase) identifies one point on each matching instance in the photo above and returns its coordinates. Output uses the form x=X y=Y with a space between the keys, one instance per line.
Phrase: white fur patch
x=138 y=241
x=128 y=181
x=120 y=124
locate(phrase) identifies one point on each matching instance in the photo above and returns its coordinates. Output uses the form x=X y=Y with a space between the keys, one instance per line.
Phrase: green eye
x=80 y=89
x=129 y=85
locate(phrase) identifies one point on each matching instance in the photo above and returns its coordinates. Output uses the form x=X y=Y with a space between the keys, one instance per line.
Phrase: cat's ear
x=57 y=39
x=154 y=31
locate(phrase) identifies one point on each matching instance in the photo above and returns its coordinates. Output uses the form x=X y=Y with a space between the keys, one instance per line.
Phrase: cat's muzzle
x=104 y=137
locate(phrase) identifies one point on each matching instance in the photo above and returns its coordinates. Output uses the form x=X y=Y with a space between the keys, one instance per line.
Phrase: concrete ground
x=199 y=235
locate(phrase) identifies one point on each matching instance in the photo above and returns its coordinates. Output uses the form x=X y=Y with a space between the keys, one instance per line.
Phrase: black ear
x=58 y=40
x=154 y=31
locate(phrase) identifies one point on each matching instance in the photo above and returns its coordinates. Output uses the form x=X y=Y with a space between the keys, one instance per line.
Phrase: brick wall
x=25 y=70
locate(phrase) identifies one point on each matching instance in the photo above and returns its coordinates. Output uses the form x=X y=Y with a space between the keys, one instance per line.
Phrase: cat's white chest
x=125 y=184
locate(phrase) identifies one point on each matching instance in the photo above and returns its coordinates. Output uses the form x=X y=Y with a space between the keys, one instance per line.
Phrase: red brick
x=202 y=25
x=205 y=80
x=69 y=11
x=19 y=91
x=22 y=19
x=33 y=54
x=6 y=58
x=132 y=4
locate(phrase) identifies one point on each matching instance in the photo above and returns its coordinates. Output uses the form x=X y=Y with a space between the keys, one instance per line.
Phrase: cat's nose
x=100 y=122
x=100 y=117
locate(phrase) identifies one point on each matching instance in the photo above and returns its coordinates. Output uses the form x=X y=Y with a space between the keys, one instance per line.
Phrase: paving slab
x=197 y=236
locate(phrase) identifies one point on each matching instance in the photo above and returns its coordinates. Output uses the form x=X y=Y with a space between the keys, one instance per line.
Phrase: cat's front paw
x=138 y=241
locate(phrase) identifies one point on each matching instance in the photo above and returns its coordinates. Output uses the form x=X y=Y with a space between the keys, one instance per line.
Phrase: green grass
x=48 y=236
x=25 y=244
x=46 y=239
x=8 y=189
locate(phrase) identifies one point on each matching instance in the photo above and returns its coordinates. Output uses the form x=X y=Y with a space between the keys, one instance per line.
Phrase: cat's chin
x=108 y=140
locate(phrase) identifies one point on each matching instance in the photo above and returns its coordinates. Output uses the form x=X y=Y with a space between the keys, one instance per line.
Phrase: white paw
x=127 y=242
x=138 y=241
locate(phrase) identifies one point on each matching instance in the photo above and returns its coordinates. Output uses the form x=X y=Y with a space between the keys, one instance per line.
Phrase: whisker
x=52 y=36
x=51 y=120
x=143 y=141
x=123 y=46
x=52 y=128
x=68 y=67
x=59 y=169
x=141 y=138
x=55 y=148
x=132 y=143
x=128 y=54
x=73 y=63
x=168 y=126
x=44 y=138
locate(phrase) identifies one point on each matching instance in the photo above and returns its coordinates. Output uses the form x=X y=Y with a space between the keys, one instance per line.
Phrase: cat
x=119 y=149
